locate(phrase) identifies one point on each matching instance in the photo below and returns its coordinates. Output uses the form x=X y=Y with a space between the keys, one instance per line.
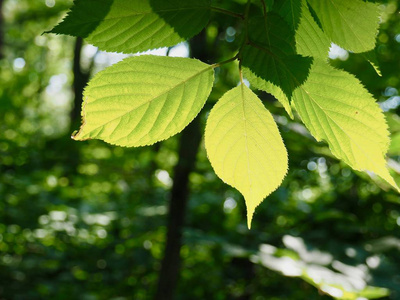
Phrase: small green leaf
x=244 y=146
x=144 y=99
x=351 y=24
x=132 y=26
x=336 y=108
x=372 y=59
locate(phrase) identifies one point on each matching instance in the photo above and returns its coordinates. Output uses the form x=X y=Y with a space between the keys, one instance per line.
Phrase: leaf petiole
x=216 y=65
x=227 y=12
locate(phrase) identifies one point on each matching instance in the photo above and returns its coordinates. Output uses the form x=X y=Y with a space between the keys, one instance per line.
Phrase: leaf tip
x=385 y=175
x=249 y=218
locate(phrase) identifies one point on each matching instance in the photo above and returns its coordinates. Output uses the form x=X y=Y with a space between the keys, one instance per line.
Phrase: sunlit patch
x=336 y=52
x=19 y=64
x=318 y=268
x=373 y=261
x=50 y=3
x=229 y=205
x=180 y=50
x=164 y=178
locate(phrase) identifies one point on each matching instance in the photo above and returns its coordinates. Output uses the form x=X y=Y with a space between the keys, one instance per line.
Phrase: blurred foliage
x=87 y=220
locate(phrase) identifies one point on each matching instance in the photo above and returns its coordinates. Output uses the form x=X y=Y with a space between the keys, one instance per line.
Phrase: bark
x=81 y=78
x=189 y=144
x=169 y=275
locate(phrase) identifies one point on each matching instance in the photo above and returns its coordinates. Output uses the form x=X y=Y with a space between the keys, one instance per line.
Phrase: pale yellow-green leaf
x=336 y=108
x=272 y=89
x=244 y=146
x=310 y=39
x=351 y=24
x=144 y=99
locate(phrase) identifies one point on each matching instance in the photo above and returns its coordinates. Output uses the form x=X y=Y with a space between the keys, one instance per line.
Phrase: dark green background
x=86 y=220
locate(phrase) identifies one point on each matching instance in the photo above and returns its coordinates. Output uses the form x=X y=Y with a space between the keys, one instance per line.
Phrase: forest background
x=86 y=220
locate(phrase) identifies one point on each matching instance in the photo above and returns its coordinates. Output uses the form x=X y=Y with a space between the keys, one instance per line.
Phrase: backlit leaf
x=353 y=25
x=270 y=61
x=310 y=39
x=145 y=99
x=244 y=146
x=336 y=108
x=135 y=25
x=273 y=57
x=290 y=11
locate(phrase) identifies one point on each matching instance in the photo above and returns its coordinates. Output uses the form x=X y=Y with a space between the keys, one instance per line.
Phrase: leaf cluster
x=146 y=99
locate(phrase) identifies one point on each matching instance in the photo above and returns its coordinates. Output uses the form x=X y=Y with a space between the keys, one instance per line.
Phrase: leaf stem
x=265 y=20
x=227 y=12
x=246 y=29
x=246 y=18
x=264 y=8
x=241 y=73
x=216 y=65
x=245 y=39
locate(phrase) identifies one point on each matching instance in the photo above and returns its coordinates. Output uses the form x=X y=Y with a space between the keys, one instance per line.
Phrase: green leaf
x=132 y=26
x=144 y=99
x=310 y=39
x=352 y=25
x=290 y=11
x=370 y=56
x=84 y=17
x=336 y=108
x=270 y=61
x=270 y=88
x=244 y=146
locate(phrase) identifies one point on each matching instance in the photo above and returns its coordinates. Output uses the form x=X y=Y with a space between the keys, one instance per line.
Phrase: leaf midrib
x=137 y=107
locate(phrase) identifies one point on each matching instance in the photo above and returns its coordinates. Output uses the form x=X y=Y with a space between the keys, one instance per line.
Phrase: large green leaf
x=276 y=91
x=336 y=108
x=84 y=17
x=352 y=24
x=270 y=61
x=244 y=146
x=132 y=26
x=290 y=11
x=145 y=99
x=310 y=39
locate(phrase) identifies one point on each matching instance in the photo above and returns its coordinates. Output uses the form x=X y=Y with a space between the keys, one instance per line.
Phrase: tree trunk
x=189 y=144
x=81 y=78
x=169 y=275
